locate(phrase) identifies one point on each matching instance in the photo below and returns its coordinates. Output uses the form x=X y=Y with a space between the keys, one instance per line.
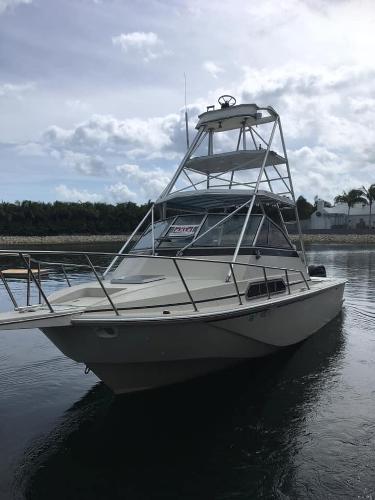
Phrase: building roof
x=342 y=209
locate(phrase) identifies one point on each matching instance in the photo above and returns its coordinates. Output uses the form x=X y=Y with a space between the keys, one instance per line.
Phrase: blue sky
x=91 y=91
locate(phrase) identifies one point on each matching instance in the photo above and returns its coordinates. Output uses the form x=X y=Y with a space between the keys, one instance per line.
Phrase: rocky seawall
x=104 y=238
x=73 y=239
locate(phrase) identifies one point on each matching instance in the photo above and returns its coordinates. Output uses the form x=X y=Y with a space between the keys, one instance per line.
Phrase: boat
x=209 y=278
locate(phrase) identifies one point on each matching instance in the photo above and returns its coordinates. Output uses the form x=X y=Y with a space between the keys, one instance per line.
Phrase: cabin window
x=227 y=234
x=271 y=236
x=181 y=232
x=145 y=242
x=259 y=289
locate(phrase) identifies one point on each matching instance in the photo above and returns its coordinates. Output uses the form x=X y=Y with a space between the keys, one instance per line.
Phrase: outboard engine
x=317 y=271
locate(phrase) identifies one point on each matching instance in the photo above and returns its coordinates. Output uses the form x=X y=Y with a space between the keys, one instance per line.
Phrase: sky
x=92 y=91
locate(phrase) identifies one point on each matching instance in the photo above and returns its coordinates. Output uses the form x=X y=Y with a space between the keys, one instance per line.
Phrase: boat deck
x=209 y=307
x=228 y=307
x=70 y=313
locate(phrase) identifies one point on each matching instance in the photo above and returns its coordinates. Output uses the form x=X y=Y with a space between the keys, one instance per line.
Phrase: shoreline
x=63 y=239
x=340 y=239
x=337 y=239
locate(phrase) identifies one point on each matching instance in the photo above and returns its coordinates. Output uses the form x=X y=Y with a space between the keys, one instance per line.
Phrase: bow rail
x=28 y=256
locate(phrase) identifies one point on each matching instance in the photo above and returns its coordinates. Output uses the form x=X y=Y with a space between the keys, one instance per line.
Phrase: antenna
x=186 y=117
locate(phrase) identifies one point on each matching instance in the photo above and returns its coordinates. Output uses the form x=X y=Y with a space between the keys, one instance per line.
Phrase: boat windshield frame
x=180 y=243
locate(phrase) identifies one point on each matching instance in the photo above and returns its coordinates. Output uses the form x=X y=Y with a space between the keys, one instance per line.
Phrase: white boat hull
x=130 y=355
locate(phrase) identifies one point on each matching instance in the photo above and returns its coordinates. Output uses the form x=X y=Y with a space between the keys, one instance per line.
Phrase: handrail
x=304 y=279
x=7 y=288
x=143 y=256
x=39 y=278
x=65 y=275
x=235 y=283
x=65 y=264
x=102 y=286
x=185 y=285
x=39 y=286
x=174 y=259
x=287 y=281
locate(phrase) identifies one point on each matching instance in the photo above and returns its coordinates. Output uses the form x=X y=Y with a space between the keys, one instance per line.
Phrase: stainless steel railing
x=26 y=257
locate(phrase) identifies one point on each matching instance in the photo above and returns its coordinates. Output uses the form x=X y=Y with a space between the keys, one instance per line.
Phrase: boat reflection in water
x=236 y=433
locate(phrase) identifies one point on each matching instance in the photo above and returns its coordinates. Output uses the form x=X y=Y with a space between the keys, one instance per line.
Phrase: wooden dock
x=22 y=273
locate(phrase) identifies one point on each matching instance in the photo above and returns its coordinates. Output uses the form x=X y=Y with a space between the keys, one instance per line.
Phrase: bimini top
x=205 y=199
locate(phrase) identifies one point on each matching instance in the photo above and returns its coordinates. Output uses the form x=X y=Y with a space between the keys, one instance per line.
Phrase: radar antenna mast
x=186 y=118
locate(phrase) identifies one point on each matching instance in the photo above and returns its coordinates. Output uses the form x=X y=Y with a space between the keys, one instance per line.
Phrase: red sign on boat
x=183 y=230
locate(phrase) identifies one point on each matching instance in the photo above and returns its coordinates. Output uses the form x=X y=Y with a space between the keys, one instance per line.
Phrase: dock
x=22 y=272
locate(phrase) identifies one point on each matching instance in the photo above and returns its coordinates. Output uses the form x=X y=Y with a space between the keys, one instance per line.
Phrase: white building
x=337 y=216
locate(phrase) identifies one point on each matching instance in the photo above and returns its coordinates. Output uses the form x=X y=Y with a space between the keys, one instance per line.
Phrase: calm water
x=300 y=424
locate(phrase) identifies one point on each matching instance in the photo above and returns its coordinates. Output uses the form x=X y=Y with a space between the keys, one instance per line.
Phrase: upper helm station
x=230 y=190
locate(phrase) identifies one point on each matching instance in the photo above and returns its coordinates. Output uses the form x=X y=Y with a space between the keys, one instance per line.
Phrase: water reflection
x=231 y=435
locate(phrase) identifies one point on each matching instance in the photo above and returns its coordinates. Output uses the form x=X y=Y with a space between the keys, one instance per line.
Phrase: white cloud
x=325 y=127
x=147 y=45
x=76 y=105
x=30 y=149
x=330 y=133
x=310 y=81
x=9 y=4
x=137 y=40
x=327 y=115
x=309 y=59
x=65 y=193
x=323 y=172
x=81 y=162
x=15 y=89
x=150 y=137
x=213 y=69
x=149 y=182
x=120 y=193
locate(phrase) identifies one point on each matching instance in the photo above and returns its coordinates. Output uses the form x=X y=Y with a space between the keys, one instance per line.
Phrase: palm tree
x=369 y=195
x=351 y=198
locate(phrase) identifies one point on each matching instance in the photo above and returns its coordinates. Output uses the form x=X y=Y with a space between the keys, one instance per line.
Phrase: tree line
x=32 y=218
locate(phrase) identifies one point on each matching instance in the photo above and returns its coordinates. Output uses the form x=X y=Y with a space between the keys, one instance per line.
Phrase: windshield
x=227 y=233
x=145 y=242
x=182 y=231
x=271 y=236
